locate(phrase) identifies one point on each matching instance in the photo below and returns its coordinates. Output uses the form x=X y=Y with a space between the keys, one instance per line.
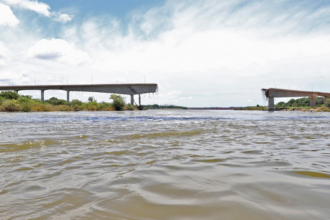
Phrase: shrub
x=92 y=106
x=42 y=107
x=10 y=106
x=62 y=108
x=1 y=100
x=36 y=107
x=25 y=99
x=47 y=108
x=56 y=101
x=129 y=107
x=323 y=109
x=77 y=105
x=118 y=102
x=103 y=106
x=76 y=102
x=25 y=107
x=327 y=102
x=9 y=95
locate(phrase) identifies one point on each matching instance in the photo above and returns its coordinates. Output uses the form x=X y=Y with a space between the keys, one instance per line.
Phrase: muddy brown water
x=167 y=164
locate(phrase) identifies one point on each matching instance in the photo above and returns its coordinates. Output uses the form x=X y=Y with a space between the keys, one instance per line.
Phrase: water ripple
x=165 y=165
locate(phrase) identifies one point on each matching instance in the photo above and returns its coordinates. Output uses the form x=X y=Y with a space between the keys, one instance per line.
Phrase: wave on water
x=90 y=117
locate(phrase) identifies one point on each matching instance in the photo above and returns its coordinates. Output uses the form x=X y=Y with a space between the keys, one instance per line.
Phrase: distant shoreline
x=210 y=108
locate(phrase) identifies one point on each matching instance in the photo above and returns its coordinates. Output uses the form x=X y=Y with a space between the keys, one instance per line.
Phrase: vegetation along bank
x=13 y=102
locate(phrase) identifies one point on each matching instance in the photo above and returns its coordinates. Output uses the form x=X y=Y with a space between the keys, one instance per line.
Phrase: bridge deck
x=126 y=89
x=282 y=93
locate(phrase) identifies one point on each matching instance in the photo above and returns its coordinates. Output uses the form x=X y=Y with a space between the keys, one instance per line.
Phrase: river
x=166 y=164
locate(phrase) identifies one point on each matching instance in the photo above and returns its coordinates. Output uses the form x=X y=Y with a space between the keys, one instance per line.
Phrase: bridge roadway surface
x=272 y=93
x=125 y=89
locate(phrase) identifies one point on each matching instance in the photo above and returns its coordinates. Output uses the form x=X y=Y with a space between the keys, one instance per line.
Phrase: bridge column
x=139 y=100
x=313 y=101
x=132 y=99
x=68 y=96
x=271 y=104
x=42 y=95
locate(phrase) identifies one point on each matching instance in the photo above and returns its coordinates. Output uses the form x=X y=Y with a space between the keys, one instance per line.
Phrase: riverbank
x=13 y=102
x=306 y=109
x=301 y=109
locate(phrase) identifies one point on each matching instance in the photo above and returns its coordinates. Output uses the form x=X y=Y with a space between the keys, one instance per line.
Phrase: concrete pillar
x=313 y=101
x=16 y=91
x=42 y=95
x=271 y=104
x=139 y=100
x=132 y=99
x=68 y=96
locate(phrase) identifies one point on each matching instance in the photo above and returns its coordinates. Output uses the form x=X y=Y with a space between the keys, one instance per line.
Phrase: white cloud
x=7 y=17
x=63 y=18
x=57 y=50
x=39 y=7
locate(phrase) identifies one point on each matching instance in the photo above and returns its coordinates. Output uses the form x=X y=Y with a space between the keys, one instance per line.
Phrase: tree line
x=13 y=102
x=303 y=102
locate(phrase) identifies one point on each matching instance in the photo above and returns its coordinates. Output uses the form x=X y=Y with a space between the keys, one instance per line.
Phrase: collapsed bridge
x=124 y=89
x=272 y=93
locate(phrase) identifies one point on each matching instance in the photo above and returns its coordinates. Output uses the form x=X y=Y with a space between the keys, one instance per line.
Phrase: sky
x=200 y=52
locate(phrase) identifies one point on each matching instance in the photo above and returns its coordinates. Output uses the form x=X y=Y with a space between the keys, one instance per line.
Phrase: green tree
x=118 y=102
x=91 y=99
x=56 y=101
x=76 y=102
x=9 y=95
x=25 y=99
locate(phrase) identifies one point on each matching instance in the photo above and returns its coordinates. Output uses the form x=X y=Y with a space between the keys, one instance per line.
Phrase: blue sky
x=200 y=52
x=96 y=7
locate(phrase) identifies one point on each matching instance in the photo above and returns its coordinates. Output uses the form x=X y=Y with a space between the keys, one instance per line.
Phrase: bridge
x=125 y=89
x=272 y=93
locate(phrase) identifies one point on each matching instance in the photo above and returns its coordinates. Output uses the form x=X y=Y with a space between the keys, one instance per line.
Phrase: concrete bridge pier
x=68 y=96
x=132 y=99
x=271 y=104
x=139 y=100
x=42 y=95
x=313 y=101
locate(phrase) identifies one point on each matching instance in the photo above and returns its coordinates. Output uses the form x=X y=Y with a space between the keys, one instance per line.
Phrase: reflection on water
x=165 y=165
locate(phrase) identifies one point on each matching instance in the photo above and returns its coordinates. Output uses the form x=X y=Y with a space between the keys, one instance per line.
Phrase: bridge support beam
x=132 y=99
x=68 y=96
x=313 y=101
x=271 y=104
x=139 y=100
x=42 y=95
